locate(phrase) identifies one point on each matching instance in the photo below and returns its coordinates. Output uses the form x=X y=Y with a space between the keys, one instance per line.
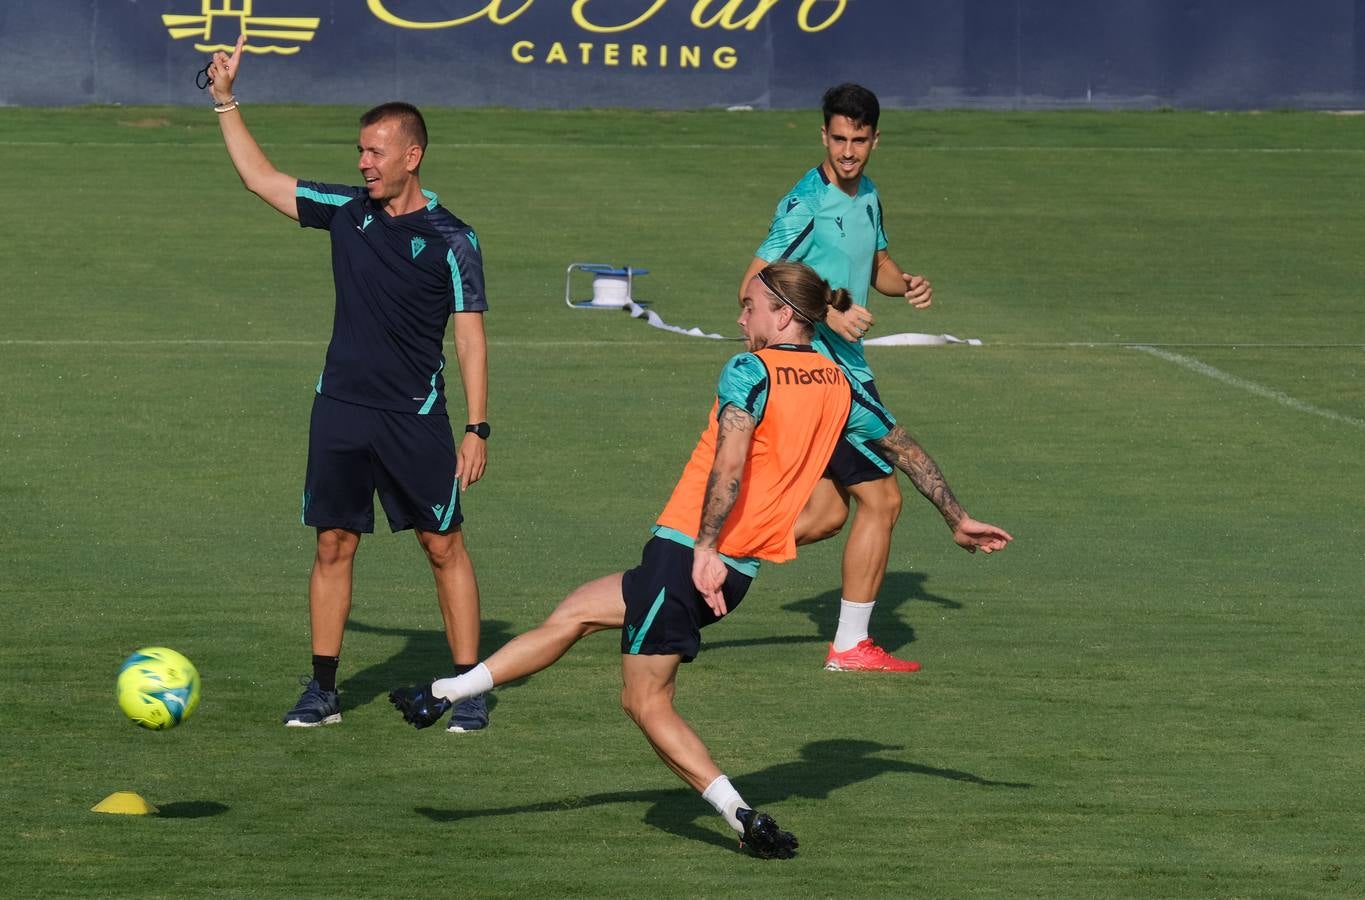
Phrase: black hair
x=854 y=101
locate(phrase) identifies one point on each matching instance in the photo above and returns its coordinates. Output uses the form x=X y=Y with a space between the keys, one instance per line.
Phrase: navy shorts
x=664 y=612
x=852 y=463
x=355 y=450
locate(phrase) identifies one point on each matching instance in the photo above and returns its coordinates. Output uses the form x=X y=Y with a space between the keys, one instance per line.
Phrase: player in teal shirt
x=837 y=235
x=831 y=220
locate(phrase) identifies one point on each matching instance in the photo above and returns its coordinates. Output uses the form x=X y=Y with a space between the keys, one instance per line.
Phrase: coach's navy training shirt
x=398 y=279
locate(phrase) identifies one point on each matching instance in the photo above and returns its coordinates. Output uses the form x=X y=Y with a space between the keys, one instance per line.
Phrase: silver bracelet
x=228 y=106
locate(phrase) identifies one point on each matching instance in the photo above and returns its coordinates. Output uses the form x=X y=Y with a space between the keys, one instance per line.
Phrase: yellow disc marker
x=126 y=803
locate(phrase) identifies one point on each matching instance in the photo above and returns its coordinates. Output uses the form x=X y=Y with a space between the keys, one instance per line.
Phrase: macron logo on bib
x=418 y=245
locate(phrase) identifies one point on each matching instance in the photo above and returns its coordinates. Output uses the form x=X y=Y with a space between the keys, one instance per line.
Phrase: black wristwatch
x=480 y=429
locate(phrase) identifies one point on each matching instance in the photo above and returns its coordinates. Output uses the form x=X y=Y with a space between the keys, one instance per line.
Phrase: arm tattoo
x=722 y=485
x=721 y=494
x=903 y=452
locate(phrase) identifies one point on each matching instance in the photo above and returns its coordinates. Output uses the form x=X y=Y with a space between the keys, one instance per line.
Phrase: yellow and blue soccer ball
x=158 y=688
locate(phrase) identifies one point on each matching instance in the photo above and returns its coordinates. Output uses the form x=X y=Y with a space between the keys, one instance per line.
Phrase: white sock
x=853 y=619
x=727 y=801
x=477 y=680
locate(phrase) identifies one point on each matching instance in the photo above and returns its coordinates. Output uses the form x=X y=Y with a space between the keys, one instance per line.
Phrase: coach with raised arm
x=402 y=265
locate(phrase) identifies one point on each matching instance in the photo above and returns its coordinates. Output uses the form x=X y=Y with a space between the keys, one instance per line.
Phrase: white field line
x=153 y=342
x=602 y=342
x=1129 y=345
x=1252 y=387
x=962 y=148
x=1187 y=362
x=320 y=342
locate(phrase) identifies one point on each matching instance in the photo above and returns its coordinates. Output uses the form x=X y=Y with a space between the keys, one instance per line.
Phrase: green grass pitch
x=1155 y=692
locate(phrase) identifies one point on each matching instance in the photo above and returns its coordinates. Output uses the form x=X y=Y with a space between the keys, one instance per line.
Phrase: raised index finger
x=237 y=51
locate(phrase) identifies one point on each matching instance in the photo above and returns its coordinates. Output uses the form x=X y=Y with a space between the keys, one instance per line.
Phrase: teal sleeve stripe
x=744 y=565
x=868 y=421
x=757 y=401
x=457 y=281
x=744 y=383
x=873 y=419
x=873 y=455
x=326 y=199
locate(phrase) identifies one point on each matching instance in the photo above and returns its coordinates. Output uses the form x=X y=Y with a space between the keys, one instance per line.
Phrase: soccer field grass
x=1154 y=692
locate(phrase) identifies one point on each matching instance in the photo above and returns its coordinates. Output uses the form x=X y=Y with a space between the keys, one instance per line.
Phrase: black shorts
x=664 y=612
x=853 y=463
x=355 y=450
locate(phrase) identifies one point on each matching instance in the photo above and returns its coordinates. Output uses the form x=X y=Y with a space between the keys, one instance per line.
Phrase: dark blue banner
x=695 y=53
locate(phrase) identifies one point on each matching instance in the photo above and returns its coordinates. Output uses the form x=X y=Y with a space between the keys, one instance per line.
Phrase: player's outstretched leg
x=592 y=607
x=419 y=706
x=763 y=838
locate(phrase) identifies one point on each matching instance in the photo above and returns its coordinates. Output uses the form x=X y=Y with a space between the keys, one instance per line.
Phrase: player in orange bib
x=780 y=409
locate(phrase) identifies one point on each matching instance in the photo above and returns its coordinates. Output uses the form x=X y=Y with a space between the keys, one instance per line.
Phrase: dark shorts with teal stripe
x=853 y=463
x=664 y=612
x=354 y=451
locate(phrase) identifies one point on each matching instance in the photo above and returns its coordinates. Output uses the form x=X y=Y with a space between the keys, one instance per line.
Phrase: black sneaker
x=470 y=714
x=763 y=838
x=420 y=708
x=315 y=707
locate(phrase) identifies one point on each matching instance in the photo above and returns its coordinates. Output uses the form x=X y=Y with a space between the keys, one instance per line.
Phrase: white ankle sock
x=853 y=619
x=723 y=796
x=477 y=680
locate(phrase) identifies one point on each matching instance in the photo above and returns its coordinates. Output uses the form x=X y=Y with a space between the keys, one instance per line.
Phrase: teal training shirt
x=838 y=236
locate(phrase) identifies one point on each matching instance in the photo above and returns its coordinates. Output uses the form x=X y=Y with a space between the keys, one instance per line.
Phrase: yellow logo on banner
x=223 y=20
x=219 y=22
x=732 y=15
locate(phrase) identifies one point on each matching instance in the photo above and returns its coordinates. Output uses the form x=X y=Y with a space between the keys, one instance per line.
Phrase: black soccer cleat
x=420 y=708
x=763 y=838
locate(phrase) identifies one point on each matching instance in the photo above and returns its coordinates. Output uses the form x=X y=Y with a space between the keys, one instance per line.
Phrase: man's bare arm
x=734 y=434
x=890 y=279
x=905 y=453
x=471 y=348
x=735 y=431
x=253 y=167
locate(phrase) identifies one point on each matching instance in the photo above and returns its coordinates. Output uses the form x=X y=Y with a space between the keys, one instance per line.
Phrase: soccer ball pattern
x=158 y=688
